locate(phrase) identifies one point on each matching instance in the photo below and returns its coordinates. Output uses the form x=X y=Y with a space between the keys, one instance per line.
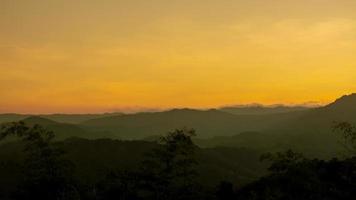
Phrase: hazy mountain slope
x=33 y=120
x=254 y=140
x=343 y=109
x=311 y=132
x=319 y=122
x=62 y=130
x=4 y=118
x=207 y=123
x=262 y=110
x=315 y=128
x=312 y=144
x=62 y=118
x=77 y=118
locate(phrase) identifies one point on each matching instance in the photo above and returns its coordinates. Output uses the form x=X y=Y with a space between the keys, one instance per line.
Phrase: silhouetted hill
x=344 y=103
x=58 y=124
x=208 y=123
x=306 y=130
x=95 y=158
x=310 y=132
x=62 y=130
x=245 y=140
x=62 y=118
x=11 y=117
x=343 y=109
x=262 y=110
x=77 y=118
x=322 y=119
x=39 y=120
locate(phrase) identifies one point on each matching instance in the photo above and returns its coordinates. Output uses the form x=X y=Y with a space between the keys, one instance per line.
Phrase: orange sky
x=107 y=55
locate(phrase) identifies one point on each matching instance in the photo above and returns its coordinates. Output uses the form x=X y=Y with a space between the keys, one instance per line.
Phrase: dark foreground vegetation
x=172 y=168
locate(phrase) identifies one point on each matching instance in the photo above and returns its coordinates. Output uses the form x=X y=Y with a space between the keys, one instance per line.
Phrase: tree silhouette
x=348 y=134
x=169 y=170
x=46 y=175
x=119 y=185
x=294 y=177
x=225 y=191
x=282 y=161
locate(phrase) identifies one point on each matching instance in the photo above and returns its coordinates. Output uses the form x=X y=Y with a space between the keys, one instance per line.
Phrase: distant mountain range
x=272 y=128
x=62 y=118
x=257 y=109
x=208 y=123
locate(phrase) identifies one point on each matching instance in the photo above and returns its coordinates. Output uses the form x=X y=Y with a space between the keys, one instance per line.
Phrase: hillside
x=77 y=118
x=11 y=117
x=95 y=158
x=305 y=130
x=207 y=123
x=257 y=109
x=343 y=109
x=62 y=118
x=63 y=125
x=310 y=132
x=62 y=130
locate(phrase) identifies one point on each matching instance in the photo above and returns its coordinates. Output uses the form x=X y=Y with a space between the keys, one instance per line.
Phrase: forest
x=42 y=159
x=169 y=170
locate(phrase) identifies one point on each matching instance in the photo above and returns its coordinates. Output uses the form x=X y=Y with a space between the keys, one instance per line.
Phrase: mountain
x=321 y=120
x=62 y=118
x=77 y=118
x=344 y=103
x=207 y=123
x=305 y=130
x=257 y=109
x=11 y=117
x=33 y=120
x=343 y=109
x=252 y=140
x=311 y=132
x=62 y=130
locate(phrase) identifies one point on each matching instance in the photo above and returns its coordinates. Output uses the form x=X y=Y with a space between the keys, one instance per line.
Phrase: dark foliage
x=169 y=170
x=306 y=179
x=45 y=174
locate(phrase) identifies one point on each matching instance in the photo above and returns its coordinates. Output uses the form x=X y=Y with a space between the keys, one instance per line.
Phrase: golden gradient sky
x=103 y=55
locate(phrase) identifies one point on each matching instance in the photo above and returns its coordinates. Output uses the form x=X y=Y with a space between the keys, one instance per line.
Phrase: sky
x=81 y=56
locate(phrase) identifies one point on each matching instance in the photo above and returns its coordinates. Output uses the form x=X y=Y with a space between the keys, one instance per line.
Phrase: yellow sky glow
x=103 y=55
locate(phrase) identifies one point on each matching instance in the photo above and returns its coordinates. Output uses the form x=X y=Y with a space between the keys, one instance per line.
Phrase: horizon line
x=138 y=109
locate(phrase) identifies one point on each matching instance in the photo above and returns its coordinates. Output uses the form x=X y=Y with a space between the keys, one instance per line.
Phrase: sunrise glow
x=100 y=56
